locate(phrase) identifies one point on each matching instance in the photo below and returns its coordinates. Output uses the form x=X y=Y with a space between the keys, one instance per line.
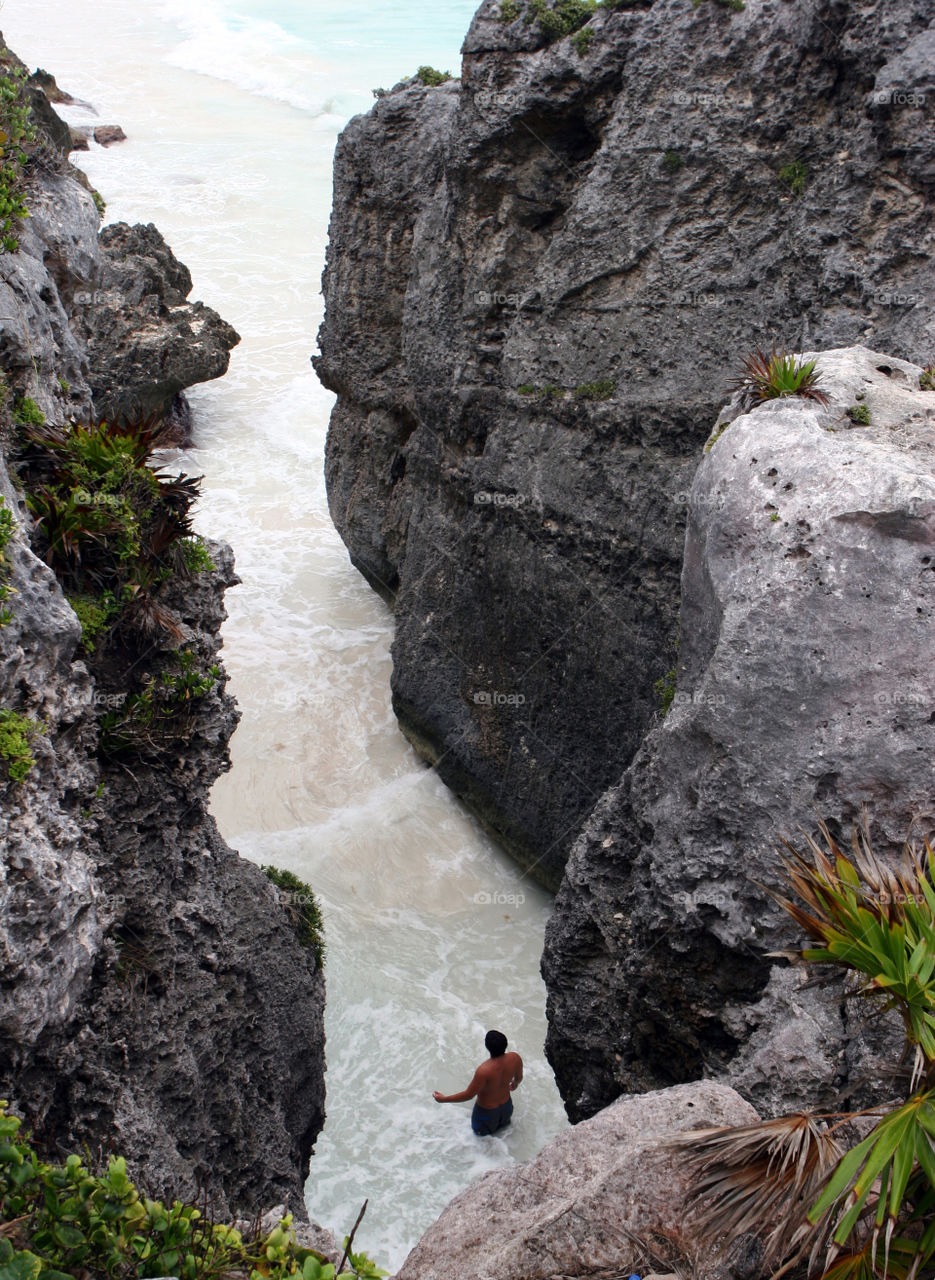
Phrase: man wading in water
x=493 y=1082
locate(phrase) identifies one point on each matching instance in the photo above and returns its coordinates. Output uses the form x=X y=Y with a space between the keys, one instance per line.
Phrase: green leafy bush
x=16 y=132
x=95 y=615
x=859 y=414
x=195 y=554
x=868 y=1211
x=431 y=78
x=665 y=687
x=161 y=713
x=927 y=378
x=509 y=11
x=672 y=161
x=16 y=731
x=562 y=18
x=601 y=390
x=26 y=413
x=793 y=175
x=582 y=40
x=62 y=1222
x=299 y=900
x=110 y=524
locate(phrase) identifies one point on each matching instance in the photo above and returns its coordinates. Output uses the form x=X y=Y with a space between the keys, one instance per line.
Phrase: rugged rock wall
x=695 y=181
x=154 y=997
x=806 y=685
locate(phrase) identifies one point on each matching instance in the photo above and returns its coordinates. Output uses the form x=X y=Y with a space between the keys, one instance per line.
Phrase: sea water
x=232 y=109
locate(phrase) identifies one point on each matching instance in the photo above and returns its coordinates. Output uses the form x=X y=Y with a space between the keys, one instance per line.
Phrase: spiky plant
x=867 y=1213
x=779 y=374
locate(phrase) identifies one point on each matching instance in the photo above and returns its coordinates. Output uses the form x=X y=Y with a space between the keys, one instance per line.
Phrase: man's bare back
x=491 y=1086
x=497 y=1078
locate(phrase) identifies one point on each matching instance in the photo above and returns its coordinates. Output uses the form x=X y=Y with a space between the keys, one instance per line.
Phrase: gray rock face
x=583 y=1204
x=97 y=323
x=154 y=998
x=806 y=684
x=697 y=181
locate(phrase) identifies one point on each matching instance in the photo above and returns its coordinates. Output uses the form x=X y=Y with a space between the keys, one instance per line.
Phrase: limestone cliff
x=154 y=996
x=621 y=215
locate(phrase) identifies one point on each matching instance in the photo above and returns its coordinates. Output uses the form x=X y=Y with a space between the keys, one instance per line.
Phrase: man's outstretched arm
x=464 y=1096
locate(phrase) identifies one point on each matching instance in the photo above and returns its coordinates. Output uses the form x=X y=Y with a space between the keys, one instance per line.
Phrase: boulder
x=590 y=1203
x=623 y=219
x=105 y=135
x=806 y=686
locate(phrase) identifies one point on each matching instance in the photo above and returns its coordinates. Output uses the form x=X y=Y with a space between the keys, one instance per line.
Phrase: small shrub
x=62 y=1221
x=672 y=161
x=16 y=732
x=430 y=77
x=737 y=5
x=64 y=386
x=664 y=689
x=196 y=557
x=582 y=40
x=778 y=375
x=561 y=20
x=793 y=175
x=26 y=413
x=775 y=517
x=859 y=414
x=99 y=202
x=16 y=132
x=602 y=390
x=552 y=393
x=95 y=615
x=509 y=11
x=162 y=713
x=927 y=378
x=299 y=900
x=715 y=436
x=527 y=389
x=7 y=531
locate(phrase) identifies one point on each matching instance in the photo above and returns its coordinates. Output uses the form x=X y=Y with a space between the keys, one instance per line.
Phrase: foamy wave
x=255 y=54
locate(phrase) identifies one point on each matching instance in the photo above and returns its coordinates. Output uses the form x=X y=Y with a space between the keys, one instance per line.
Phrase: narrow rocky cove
x=645 y=627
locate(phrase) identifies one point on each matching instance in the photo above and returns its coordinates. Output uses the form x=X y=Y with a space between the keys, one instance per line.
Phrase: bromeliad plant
x=867 y=1212
x=112 y=525
x=779 y=374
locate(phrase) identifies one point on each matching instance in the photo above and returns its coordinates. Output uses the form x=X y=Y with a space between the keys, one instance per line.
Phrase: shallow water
x=432 y=934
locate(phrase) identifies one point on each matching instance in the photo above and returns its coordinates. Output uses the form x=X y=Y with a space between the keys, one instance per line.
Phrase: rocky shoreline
x=155 y=998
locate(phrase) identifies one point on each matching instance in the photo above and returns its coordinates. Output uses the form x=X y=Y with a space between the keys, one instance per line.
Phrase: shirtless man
x=493 y=1082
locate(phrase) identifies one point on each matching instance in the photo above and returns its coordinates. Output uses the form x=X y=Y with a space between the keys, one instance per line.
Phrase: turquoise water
x=232 y=109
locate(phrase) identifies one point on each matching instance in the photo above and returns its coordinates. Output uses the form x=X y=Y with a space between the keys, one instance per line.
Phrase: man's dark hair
x=495 y=1043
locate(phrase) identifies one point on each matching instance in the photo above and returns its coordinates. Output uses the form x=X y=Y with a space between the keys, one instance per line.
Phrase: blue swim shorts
x=488 y=1120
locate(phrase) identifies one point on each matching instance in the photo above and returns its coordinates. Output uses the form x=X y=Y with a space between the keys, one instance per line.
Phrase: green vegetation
x=563 y=18
x=16 y=132
x=161 y=713
x=774 y=517
x=582 y=40
x=15 y=734
x=509 y=11
x=672 y=161
x=7 y=530
x=868 y=1211
x=61 y=1221
x=777 y=375
x=430 y=77
x=793 y=175
x=927 y=378
x=664 y=689
x=64 y=386
x=26 y=413
x=196 y=557
x=95 y=616
x=111 y=526
x=527 y=389
x=602 y=390
x=737 y=5
x=299 y=900
x=715 y=436
x=99 y=202
x=859 y=414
